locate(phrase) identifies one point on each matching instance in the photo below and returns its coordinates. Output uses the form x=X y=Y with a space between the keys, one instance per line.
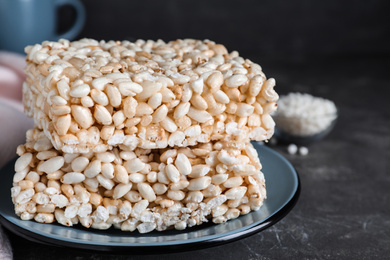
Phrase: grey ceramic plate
x=283 y=189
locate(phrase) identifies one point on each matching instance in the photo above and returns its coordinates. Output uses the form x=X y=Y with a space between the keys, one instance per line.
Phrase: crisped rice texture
x=92 y=96
x=142 y=190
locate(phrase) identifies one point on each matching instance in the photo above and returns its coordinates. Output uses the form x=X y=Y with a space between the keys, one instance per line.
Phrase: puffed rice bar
x=142 y=189
x=92 y=96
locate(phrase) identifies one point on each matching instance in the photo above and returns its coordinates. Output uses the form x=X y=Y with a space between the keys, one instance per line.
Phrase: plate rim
x=167 y=247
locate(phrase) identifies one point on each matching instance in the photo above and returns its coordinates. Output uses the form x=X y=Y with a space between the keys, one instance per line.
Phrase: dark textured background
x=272 y=29
x=334 y=49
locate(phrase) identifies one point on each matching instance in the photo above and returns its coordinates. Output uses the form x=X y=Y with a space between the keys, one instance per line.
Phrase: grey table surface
x=344 y=208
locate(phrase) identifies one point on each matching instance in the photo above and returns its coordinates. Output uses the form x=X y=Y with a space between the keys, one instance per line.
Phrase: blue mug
x=27 y=22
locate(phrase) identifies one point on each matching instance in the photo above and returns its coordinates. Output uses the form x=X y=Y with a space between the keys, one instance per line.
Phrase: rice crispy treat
x=140 y=189
x=88 y=95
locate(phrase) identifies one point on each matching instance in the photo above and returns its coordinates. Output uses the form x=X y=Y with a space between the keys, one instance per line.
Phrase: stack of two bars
x=146 y=135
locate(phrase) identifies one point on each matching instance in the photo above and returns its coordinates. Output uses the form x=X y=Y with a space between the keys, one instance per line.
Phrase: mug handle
x=80 y=18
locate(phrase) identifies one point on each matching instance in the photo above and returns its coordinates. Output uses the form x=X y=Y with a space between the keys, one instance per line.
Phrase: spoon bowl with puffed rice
x=303 y=119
